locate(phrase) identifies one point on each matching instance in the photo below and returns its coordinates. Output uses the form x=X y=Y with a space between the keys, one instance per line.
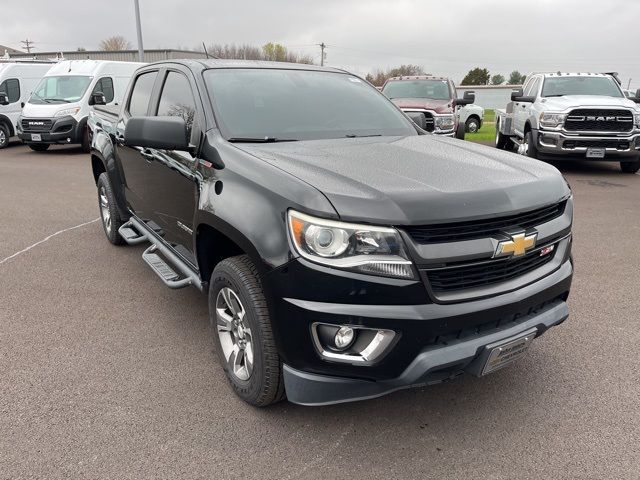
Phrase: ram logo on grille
x=36 y=124
x=517 y=246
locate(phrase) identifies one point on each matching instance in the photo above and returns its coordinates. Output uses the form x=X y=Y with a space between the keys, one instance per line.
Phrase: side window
x=532 y=88
x=141 y=94
x=11 y=87
x=176 y=99
x=105 y=85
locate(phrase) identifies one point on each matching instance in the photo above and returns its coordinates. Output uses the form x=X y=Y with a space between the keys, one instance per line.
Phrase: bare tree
x=270 y=51
x=378 y=77
x=115 y=43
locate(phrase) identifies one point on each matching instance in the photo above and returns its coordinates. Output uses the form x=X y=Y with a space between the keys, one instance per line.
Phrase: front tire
x=472 y=125
x=460 y=131
x=630 y=167
x=109 y=215
x=86 y=140
x=241 y=330
x=39 y=147
x=529 y=147
x=4 y=136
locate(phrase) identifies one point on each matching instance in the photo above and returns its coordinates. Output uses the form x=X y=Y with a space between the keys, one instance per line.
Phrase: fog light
x=344 y=337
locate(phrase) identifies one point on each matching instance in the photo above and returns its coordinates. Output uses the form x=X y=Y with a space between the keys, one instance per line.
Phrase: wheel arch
x=4 y=120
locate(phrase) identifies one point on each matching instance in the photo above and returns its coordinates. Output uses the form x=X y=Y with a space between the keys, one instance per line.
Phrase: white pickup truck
x=576 y=115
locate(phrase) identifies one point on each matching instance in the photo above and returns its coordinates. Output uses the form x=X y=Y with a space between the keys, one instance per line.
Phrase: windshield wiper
x=353 y=135
x=555 y=95
x=56 y=100
x=41 y=98
x=260 y=140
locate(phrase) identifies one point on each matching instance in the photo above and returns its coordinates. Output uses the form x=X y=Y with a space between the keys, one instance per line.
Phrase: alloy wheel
x=234 y=333
x=104 y=210
x=3 y=138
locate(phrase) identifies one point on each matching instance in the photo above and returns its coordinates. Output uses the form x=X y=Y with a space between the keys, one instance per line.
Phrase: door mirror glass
x=516 y=94
x=419 y=119
x=97 y=98
x=467 y=99
x=163 y=133
x=4 y=98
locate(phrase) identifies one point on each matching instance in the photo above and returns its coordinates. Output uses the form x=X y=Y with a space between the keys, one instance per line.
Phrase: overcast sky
x=443 y=36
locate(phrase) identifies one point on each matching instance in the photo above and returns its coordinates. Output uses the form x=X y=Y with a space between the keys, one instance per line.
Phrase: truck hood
x=585 y=101
x=439 y=106
x=416 y=180
x=47 y=110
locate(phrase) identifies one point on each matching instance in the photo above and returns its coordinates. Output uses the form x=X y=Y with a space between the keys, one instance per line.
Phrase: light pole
x=139 y=28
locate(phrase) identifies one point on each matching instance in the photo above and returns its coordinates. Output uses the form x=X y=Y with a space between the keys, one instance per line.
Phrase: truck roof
x=573 y=74
x=224 y=63
x=418 y=77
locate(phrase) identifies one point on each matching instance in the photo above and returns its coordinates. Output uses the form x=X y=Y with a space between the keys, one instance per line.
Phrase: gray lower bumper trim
x=311 y=389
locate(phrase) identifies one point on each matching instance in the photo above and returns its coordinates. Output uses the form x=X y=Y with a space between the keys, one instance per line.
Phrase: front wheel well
x=97 y=167
x=212 y=247
x=473 y=116
x=7 y=123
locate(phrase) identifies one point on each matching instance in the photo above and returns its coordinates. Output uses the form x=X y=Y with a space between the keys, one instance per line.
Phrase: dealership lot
x=106 y=373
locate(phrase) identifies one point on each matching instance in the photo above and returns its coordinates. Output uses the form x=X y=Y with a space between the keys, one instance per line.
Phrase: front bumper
x=435 y=341
x=617 y=147
x=61 y=130
x=431 y=366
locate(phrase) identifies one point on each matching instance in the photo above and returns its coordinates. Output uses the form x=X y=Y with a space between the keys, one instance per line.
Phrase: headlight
x=636 y=116
x=552 y=119
x=445 y=122
x=67 y=111
x=349 y=246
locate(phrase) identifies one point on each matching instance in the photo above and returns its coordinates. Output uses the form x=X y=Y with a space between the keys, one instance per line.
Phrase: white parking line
x=45 y=239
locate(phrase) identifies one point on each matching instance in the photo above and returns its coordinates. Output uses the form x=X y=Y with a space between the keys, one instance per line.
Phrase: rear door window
x=11 y=87
x=141 y=94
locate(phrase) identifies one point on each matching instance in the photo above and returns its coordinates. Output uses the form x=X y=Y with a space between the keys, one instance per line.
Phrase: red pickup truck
x=430 y=101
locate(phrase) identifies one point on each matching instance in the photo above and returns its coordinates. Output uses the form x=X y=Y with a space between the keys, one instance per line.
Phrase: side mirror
x=164 y=133
x=4 y=99
x=518 y=96
x=97 y=98
x=468 y=98
x=418 y=118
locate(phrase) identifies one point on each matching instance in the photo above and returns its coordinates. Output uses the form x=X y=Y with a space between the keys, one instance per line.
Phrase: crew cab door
x=171 y=187
x=134 y=160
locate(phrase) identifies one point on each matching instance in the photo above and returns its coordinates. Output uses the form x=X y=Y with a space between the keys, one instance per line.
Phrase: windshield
x=270 y=104
x=63 y=89
x=559 y=86
x=434 y=89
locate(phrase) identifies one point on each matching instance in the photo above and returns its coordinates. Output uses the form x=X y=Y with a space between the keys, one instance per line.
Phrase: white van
x=58 y=109
x=17 y=81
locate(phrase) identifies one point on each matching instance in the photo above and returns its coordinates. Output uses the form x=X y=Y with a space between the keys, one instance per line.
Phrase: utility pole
x=322 y=47
x=629 y=84
x=139 y=28
x=28 y=45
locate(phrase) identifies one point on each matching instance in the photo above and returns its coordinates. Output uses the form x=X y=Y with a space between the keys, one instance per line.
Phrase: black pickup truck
x=345 y=252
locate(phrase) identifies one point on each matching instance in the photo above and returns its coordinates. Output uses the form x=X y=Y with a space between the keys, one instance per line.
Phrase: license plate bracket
x=36 y=137
x=593 y=152
x=505 y=352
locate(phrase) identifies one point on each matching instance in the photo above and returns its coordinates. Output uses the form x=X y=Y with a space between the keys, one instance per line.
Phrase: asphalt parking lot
x=105 y=373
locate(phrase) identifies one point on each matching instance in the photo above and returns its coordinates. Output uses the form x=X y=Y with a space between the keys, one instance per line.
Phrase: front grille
x=599 y=120
x=617 y=144
x=454 y=232
x=431 y=124
x=36 y=125
x=485 y=273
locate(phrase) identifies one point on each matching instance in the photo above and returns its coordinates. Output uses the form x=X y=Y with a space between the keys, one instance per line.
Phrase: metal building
x=120 y=55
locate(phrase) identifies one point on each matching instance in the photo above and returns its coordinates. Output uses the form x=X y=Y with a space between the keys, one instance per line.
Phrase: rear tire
x=630 y=167
x=39 y=147
x=4 y=136
x=109 y=215
x=530 y=149
x=241 y=330
x=502 y=141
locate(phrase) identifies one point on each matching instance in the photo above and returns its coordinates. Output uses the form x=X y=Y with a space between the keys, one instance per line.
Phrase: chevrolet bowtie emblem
x=517 y=246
